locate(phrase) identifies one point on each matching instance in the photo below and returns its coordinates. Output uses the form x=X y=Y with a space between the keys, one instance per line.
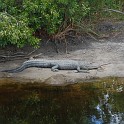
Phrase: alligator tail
x=16 y=70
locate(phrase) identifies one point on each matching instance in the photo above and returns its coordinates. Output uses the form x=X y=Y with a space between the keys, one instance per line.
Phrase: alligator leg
x=83 y=71
x=54 y=68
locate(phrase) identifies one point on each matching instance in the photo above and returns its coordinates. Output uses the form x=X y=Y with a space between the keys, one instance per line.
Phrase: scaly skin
x=55 y=65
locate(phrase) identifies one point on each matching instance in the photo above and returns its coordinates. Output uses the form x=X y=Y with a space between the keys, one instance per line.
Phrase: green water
x=100 y=102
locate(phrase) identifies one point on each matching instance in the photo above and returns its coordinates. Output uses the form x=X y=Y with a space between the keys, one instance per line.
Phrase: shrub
x=15 y=32
x=51 y=14
x=21 y=18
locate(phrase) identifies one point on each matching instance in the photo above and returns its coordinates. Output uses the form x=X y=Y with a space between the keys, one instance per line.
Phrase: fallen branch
x=12 y=56
x=113 y=10
x=35 y=56
x=5 y=60
x=32 y=52
x=18 y=56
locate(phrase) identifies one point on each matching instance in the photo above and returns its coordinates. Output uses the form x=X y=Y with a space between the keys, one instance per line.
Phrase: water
x=97 y=102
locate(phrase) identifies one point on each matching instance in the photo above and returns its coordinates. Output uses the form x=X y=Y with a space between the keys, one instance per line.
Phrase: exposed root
x=73 y=31
x=62 y=37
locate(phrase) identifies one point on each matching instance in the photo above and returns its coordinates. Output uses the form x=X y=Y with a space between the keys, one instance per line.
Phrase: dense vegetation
x=20 y=19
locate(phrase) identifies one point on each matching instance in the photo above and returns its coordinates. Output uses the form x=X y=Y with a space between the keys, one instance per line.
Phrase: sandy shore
x=108 y=51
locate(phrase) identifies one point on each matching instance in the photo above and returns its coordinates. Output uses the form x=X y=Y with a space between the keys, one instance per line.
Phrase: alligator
x=55 y=65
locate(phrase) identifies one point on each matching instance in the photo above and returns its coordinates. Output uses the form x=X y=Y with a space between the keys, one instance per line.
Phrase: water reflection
x=105 y=107
x=98 y=102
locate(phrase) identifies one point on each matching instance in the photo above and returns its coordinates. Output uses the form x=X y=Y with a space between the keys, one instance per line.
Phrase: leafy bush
x=51 y=14
x=15 y=32
x=21 y=18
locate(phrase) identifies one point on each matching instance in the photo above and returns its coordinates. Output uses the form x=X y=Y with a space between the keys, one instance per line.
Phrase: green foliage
x=15 y=32
x=14 y=27
x=20 y=19
x=51 y=14
x=42 y=14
